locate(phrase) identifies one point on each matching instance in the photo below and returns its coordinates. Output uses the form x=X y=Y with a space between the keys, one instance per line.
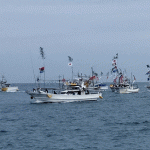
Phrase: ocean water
x=118 y=121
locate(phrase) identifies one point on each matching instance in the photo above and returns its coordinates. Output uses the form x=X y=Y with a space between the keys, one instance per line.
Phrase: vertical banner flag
x=114 y=63
x=70 y=61
x=107 y=75
x=42 y=53
x=148 y=73
x=134 y=77
x=115 y=80
x=121 y=79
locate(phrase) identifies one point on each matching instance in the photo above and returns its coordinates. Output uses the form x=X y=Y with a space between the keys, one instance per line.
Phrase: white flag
x=70 y=64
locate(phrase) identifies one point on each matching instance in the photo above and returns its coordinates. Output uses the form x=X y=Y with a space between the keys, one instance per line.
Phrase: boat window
x=63 y=92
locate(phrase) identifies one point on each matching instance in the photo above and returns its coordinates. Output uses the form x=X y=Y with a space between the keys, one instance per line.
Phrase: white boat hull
x=48 y=97
x=9 y=89
x=104 y=87
x=128 y=90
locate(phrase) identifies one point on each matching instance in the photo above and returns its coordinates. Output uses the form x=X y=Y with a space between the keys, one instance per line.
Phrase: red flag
x=92 y=78
x=63 y=80
x=115 y=79
x=121 y=79
x=41 y=69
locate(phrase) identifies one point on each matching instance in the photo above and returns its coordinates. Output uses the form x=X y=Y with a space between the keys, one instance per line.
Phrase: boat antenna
x=92 y=75
x=33 y=68
x=59 y=80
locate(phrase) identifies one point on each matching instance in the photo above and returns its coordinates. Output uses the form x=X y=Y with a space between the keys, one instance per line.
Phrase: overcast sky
x=90 y=31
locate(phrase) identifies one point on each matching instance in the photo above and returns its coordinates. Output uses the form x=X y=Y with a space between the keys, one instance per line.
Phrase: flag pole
x=92 y=76
x=72 y=73
x=44 y=69
x=44 y=76
x=131 y=79
x=92 y=71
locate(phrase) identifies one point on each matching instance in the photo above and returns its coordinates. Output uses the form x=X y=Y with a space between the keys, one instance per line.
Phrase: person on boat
x=55 y=92
x=79 y=92
x=46 y=91
x=87 y=91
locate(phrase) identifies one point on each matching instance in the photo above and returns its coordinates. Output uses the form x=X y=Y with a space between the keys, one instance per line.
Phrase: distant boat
x=121 y=83
x=5 y=87
x=129 y=89
x=124 y=87
x=94 y=82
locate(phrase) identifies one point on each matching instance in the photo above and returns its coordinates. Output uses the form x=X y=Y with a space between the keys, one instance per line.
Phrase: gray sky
x=90 y=31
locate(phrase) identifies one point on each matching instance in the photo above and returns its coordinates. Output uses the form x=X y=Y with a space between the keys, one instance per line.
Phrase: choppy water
x=118 y=121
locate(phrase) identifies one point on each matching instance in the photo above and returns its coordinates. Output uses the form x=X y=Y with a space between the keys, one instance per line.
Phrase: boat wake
x=21 y=91
x=62 y=101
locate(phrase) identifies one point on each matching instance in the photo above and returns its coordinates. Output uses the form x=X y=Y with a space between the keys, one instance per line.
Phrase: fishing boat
x=5 y=87
x=117 y=86
x=101 y=84
x=73 y=91
x=129 y=89
x=122 y=83
x=94 y=83
x=124 y=87
x=69 y=95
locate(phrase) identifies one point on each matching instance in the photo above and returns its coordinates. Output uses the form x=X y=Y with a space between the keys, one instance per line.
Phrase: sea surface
x=118 y=121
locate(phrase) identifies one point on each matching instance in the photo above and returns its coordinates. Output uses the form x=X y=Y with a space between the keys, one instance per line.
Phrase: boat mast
x=92 y=75
x=131 y=79
x=92 y=71
x=59 y=80
x=72 y=73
